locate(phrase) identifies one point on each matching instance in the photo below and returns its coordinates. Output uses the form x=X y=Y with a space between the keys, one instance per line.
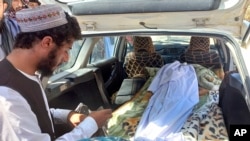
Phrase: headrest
x=199 y=44
x=199 y=53
x=143 y=44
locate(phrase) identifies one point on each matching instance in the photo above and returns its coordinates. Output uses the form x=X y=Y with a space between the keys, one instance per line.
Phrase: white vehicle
x=98 y=76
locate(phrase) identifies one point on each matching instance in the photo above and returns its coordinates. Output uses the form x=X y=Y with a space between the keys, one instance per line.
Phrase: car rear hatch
x=110 y=15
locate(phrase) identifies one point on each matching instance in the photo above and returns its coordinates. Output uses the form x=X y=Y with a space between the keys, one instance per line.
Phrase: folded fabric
x=207 y=78
x=128 y=88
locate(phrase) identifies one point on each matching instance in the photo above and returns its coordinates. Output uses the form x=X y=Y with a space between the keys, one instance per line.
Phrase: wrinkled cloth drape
x=175 y=93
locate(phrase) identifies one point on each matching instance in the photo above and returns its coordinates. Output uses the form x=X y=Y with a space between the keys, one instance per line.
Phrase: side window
x=73 y=53
x=129 y=43
x=246 y=55
x=103 y=49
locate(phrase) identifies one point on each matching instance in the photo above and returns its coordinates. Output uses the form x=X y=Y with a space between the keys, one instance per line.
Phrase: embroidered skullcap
x=143 y=44
x=40 y=18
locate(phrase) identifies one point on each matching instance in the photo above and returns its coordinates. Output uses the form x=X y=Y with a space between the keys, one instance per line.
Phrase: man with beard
x=42 y=45
x=8 y=25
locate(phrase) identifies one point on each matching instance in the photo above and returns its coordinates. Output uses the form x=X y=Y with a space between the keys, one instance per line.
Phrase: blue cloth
x=175 y=93
x=9 y=31
x=109 y=47
x=12 y=26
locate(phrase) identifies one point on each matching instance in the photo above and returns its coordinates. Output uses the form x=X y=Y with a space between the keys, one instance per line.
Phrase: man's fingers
x=3 y=7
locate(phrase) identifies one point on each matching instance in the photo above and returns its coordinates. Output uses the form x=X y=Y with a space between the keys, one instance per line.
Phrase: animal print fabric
x=201 y=44
x=143 y=44
x=144 y=55
x=206 y=59
x=136 y=63
x=199 y=53
x=207 y=78
x=125 y=119
x=206 y=122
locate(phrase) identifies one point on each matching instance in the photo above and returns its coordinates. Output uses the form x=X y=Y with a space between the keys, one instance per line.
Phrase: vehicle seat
x=199 y=53
x=144 y=55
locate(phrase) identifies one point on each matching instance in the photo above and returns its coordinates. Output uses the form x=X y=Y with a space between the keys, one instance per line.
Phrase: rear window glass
x=103 y=49
x=89 y=7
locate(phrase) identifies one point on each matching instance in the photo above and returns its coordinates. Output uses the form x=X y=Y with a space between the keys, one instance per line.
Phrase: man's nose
x=66 y=57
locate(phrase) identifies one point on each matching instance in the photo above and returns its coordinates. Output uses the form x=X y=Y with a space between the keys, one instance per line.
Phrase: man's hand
x=101 y=116
x=75 y=118
x=3 y=7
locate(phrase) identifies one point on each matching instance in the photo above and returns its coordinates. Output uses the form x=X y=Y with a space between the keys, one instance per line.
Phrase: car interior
x=106 y=81
x=117 y=62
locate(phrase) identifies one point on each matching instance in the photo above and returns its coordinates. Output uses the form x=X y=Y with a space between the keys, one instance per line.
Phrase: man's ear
x=47 y=42
x=5 y=5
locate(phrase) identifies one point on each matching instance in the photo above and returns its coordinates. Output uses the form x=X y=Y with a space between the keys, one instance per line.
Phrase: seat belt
x=102 y=89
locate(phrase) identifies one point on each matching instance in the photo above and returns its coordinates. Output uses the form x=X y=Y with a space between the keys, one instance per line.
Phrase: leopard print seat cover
x=144 y=55
x=199 y=53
